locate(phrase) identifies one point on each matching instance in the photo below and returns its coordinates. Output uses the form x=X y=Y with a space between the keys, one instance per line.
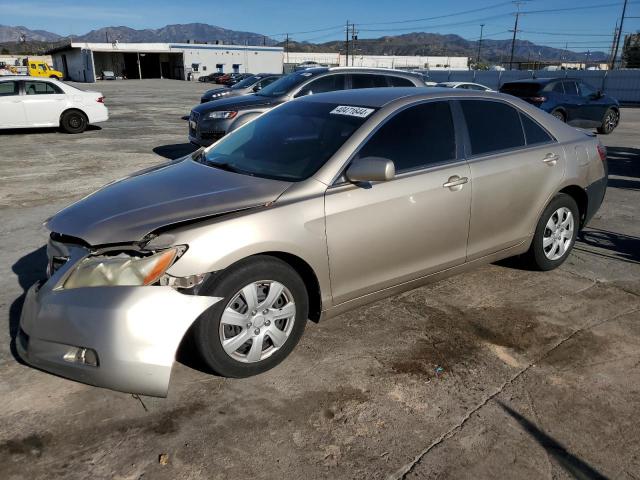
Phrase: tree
x=5 y=51
x=631 y=51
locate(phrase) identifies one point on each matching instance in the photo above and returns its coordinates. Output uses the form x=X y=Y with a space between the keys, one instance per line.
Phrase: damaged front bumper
x=124 y=338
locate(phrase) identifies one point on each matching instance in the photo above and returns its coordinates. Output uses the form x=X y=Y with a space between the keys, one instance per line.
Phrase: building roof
x=156 y=47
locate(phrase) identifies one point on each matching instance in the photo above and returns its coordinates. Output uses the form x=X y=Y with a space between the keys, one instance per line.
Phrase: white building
x=380 y=61
x=85 y=62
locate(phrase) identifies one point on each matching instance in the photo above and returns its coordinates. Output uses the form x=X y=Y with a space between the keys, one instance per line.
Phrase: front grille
x=212 y=135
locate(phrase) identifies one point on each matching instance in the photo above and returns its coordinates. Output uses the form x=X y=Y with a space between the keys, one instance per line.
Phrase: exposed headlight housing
x=123 y=268
x=223 y=114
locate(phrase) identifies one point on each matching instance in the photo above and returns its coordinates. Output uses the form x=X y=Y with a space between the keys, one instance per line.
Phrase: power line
x=464 y=12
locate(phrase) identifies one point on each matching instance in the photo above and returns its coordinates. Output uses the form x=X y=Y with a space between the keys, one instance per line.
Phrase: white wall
x=250 y=59
x=381 y=61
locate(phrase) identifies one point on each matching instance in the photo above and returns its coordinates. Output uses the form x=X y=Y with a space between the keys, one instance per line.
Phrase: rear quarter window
x=533 y=132
x=492 y=126
x=400 y=82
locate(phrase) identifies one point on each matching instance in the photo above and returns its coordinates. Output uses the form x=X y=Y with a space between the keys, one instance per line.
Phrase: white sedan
x=27 y=102
x=465 y=86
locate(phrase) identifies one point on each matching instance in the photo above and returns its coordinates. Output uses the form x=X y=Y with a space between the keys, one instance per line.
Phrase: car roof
x=379 y=97
x=25 y=77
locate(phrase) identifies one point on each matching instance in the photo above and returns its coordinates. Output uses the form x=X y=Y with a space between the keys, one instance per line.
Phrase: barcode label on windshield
x=352 y=111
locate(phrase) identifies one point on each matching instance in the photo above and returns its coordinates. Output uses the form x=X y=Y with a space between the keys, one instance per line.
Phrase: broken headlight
x=124 y=268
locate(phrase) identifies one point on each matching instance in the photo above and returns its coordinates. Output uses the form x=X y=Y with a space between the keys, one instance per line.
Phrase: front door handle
x=551 y=159
x=455 y=182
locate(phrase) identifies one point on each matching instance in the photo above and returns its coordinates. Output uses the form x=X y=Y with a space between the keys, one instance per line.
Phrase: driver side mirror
x=371 y=169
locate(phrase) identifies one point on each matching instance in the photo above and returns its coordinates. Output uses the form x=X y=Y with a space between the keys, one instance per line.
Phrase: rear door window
x=400 y=82
x=533 y=132
x=492 y=126
x=40 y=88
x=415 y=138
x=8 y=89
x=570 y=88
x=365 y=80
x=328 y=83
x=558 y=88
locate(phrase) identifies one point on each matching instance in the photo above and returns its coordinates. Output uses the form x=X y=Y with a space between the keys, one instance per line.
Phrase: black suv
x=569 y=100
x=210 y=121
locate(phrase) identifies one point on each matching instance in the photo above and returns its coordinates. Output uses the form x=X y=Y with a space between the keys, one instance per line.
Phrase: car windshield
x=284 y=85
x=289 y=143
x=247 y=82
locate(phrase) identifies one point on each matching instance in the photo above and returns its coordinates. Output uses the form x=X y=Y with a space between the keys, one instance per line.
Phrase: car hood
x=236 y=103
x=128 y=209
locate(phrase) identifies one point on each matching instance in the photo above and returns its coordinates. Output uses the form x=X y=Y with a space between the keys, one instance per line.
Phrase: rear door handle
x=455 y=181
x=551 y=159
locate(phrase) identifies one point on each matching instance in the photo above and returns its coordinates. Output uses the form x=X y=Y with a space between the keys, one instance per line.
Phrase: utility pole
x=613 y=42
x=286 y=48
x=479 y=45
x=354 y=37
x=515 y=31
x=615 y=50
x=346 y=46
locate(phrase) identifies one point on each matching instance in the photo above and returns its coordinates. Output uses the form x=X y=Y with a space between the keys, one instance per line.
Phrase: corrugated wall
x=623 y=85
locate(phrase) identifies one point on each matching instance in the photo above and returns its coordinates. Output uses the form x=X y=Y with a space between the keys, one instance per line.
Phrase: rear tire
x=609 y=122
x=555 y=233
x=74 y=121
x=55 y=77
x=276 y=323
x=559 y=114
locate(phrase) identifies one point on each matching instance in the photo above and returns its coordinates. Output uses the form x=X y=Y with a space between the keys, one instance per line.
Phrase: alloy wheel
x=257 y=321
x=558 y=234
x=611 y=120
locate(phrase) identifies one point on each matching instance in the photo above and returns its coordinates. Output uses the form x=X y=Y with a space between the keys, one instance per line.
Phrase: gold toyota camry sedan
x=320 y=205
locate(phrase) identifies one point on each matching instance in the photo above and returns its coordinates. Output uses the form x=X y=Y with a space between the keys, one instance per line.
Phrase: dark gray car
x=208 y=122
x=252 y=84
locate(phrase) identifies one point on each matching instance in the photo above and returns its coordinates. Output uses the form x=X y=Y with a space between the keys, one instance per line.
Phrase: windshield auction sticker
x=352 y=111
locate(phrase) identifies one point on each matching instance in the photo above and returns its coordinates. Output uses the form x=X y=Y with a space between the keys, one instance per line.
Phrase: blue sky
x=323 y=20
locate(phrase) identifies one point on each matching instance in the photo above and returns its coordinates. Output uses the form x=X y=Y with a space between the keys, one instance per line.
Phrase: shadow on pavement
x=618 y=246
x=573 y=465
x=175 y=150
x=27 y=131
x=29 y=269
x=623 y=162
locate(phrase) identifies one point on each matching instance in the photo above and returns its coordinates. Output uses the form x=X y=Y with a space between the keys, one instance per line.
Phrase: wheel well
x=308 y=277
x=73 y=110
x=581 y=198
x=562 y=110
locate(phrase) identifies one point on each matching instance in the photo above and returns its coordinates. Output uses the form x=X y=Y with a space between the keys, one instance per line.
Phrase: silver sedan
x=318 y=206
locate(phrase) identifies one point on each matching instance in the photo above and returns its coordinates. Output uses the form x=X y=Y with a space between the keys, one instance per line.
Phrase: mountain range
x=418 y=43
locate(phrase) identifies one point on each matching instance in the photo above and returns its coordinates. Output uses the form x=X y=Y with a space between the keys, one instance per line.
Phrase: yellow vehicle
x=38 y=68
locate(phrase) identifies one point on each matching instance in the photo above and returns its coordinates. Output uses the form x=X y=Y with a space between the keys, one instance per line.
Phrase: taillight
x=100 y=100
x=602 y=151
x=537 y=99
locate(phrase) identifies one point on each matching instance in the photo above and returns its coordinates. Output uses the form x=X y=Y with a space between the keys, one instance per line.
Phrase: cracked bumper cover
x=135 y=331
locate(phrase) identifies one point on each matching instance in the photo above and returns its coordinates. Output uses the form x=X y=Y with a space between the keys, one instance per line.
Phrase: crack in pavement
x=402 y=472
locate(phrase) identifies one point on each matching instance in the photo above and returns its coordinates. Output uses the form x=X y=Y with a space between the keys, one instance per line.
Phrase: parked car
x=252 y=84
x=211 y=78
x=211 y=121
x=320 y=205
x=237 y=77
x=465 y=86
x=222 y=79
x=27 y=102
x=569 y=100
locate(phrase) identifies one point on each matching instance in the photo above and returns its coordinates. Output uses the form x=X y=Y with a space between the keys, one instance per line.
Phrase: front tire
x=609 y=122
x=73 y=121
x=258 y=323
x=555 y=233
